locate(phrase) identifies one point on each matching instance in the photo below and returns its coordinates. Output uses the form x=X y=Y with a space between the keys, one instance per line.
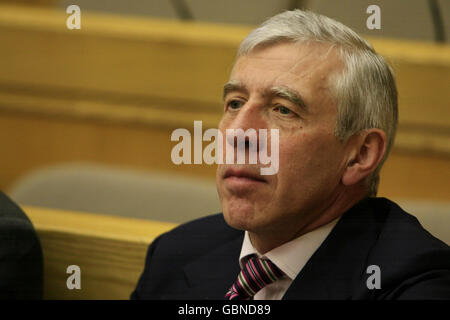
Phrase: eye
x=283 y=110
x=234 y=104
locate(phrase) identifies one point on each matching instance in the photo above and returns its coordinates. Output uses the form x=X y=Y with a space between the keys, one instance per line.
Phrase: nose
x=242 y=131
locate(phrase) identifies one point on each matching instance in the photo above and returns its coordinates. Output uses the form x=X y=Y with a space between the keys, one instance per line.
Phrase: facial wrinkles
x=309 y=69
x=314 y=67
x=321 y=111
x=307 y=72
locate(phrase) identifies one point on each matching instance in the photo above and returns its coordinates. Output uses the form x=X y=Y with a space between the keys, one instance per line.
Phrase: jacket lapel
x=210 y=276
x=333 y=272
x=339 y=264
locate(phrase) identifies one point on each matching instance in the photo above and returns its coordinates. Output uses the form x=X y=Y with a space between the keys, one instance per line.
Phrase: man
x=21 y=266
x=313 y=230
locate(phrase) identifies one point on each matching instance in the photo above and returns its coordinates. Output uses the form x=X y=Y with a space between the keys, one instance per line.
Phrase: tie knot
x=256 y=274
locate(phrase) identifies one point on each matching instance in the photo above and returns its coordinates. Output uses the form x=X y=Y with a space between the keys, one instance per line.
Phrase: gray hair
x=365 y=91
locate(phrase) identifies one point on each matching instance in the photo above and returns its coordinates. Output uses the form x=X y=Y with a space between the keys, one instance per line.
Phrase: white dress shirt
x=290 y=257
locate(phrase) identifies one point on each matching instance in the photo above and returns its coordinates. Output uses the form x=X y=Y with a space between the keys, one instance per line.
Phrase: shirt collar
x=292 y=256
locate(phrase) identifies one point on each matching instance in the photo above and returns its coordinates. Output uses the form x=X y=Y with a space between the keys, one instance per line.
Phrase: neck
x=264 y=241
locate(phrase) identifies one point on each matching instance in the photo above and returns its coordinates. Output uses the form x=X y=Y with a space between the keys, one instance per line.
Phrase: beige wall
x=409 y=19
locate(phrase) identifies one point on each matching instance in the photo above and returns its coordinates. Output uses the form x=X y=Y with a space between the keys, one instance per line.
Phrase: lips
x=243 y=175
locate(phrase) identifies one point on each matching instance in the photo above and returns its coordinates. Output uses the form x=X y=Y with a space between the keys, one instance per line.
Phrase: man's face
x=311 y=158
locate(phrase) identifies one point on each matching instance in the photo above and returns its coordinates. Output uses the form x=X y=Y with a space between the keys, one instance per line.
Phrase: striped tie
x=255 y=275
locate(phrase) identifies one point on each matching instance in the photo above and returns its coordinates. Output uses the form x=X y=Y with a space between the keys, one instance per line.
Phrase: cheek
x=295 y=151
x=304 y=157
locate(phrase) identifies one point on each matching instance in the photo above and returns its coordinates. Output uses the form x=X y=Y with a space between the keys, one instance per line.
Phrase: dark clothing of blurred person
x=21 y=262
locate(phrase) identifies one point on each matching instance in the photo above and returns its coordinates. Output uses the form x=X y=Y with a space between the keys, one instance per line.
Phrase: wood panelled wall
x=114 y=91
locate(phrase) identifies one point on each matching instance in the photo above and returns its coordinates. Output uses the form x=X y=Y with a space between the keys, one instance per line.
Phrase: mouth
x=243 y=176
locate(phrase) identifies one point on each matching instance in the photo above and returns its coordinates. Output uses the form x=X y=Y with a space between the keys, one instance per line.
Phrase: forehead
x=305 y=65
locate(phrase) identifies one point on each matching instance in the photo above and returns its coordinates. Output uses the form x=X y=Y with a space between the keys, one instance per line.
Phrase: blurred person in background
x=21 y=263
x=315 y=229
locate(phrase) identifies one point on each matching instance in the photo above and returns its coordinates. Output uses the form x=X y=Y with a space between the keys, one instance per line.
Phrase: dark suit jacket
x=199 y=260
x=21 y=267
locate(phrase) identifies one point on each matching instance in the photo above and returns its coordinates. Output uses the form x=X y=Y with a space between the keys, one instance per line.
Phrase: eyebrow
x=278 y=91
x=290 y=95
x=230 y=86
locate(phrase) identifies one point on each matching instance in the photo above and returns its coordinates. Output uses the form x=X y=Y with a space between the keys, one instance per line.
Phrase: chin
x=239 y=214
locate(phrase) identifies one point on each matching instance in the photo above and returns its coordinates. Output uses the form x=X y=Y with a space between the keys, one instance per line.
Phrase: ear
x=367 y=152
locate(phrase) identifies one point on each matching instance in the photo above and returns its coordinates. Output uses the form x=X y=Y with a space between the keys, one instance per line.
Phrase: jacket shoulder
x=403 y=231
x=200 y=235
x=171 y=252
x=413 y=263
